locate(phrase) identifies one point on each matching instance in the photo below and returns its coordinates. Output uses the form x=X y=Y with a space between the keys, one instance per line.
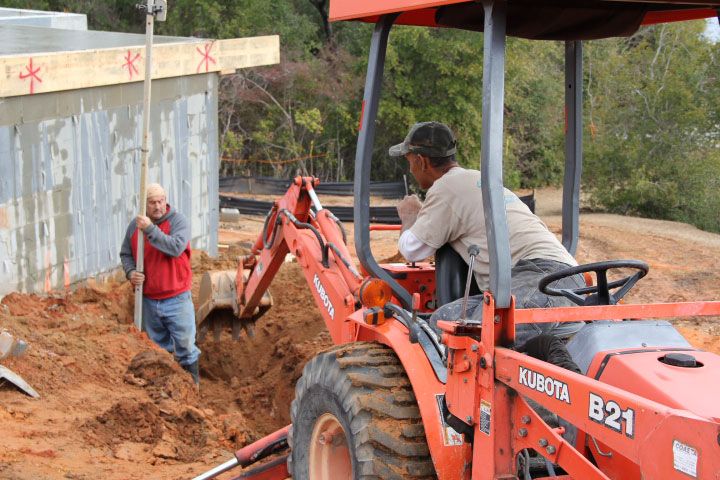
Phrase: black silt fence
x=385 y=215
x=278 y=186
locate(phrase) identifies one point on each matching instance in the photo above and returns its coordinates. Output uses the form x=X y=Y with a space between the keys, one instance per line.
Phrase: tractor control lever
x=414 y=327
x=473 y=251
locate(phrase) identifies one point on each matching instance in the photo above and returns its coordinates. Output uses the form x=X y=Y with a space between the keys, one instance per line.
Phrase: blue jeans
x=170 y=323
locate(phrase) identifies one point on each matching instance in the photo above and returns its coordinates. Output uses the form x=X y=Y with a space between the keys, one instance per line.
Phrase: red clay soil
x=114 y=406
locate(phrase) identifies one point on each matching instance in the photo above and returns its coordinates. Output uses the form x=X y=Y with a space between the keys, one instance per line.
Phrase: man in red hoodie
x=168 y=312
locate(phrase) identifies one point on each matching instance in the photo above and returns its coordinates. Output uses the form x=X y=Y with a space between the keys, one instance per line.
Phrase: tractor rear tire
x=355 y=417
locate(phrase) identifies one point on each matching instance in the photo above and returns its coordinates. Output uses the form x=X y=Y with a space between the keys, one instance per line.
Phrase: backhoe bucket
x=218 y=305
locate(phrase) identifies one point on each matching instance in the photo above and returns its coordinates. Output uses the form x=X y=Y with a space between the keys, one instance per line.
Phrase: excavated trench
x=256 y=375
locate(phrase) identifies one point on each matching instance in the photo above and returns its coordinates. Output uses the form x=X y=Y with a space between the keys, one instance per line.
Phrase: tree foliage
x=654 y=130
x=651 y=125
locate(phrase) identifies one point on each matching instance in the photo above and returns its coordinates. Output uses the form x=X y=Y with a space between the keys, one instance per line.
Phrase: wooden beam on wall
x=52 y=72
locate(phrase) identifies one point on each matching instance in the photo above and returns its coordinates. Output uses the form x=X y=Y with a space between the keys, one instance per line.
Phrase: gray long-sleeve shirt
x=173 y=244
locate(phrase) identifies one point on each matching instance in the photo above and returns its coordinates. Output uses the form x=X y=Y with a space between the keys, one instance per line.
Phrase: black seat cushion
x=450 y=276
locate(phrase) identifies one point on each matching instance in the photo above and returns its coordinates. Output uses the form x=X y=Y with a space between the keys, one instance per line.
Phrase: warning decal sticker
x=685 y=458
x=485 y=413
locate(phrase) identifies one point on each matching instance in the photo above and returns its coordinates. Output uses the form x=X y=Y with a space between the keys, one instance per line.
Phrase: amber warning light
x=375 y=293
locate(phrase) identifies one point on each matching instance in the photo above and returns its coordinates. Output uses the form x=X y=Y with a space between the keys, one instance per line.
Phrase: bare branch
x=271 y=97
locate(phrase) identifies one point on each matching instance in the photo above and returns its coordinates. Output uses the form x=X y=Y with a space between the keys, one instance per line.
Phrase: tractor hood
x=559 y=19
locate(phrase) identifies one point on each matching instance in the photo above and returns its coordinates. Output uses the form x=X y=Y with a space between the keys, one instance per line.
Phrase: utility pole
x=152 y=8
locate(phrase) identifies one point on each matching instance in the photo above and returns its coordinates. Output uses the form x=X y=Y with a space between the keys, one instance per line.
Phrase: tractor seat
x=450 y=276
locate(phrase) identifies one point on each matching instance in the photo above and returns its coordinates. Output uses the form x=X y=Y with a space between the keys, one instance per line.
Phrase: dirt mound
x=179 y=434
x=161 y=377
x=169 y=419
x=127 y=420
x=130 y=401
x=201 y=262
x=36 y=306
x=112 y=300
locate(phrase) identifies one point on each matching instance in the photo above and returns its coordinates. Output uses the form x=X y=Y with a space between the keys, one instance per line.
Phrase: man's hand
x=142 y=222
x=408 y=209
x=136 y=278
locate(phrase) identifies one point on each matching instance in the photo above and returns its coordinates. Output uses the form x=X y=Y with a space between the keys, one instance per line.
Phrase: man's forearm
x=407 y=222
x=172 y=245
x=412 y=248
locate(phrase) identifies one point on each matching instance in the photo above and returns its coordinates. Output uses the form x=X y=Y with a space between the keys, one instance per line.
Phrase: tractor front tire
x=355 y=417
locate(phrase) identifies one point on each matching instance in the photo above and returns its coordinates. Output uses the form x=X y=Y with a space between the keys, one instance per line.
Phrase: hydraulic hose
x=269 y=243
x=338 y=255
x=404 y=317
x=314 y=230
x=340 y=226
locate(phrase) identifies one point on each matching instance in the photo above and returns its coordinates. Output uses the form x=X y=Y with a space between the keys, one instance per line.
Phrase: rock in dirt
x=6 y=344
x=131 y=451
x=165 y=449
x=10 y=345
x=236 y=430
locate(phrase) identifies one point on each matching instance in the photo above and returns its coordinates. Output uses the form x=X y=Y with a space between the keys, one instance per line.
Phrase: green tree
x=652 y=147
x=534 y=108
x=430 y=75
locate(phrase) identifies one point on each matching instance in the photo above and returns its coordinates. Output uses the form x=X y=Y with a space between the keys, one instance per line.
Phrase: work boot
x=194 y=370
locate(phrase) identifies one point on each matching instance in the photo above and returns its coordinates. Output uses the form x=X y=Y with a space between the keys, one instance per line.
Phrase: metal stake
x=139 y=263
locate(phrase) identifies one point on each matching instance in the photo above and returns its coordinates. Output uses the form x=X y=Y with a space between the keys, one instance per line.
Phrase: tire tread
x=377 y=397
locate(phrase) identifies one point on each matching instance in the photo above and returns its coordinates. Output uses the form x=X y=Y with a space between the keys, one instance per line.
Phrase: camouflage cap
x=433 y=139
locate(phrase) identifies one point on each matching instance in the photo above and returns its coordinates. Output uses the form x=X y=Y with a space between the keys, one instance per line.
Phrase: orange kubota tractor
x=394 y=399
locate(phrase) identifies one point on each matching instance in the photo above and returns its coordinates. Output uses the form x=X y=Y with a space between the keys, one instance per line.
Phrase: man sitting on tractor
x=453 y=213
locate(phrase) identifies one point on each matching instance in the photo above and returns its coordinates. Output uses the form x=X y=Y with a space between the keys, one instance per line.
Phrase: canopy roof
x=534 y=19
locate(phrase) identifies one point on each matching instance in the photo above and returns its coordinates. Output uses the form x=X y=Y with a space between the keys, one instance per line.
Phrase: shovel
x=15 y=379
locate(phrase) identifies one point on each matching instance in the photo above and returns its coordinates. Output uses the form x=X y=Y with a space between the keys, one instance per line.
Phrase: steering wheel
x=595 y=294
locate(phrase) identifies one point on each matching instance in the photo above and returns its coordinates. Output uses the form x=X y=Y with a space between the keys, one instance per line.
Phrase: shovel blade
x=12 y=377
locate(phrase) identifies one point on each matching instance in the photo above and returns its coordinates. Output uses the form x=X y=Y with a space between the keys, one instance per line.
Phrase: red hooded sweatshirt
x=167 y=255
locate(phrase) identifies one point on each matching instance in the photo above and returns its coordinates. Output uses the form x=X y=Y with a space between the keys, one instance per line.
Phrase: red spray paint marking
x=130 y=63
x=66 y=273
x=32 y=74
x=206 y=57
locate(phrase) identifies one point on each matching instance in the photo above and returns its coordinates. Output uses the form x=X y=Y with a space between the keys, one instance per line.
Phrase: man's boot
x=194 y=370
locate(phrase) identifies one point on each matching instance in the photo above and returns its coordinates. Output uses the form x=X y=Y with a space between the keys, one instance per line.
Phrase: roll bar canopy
x=560 y=19
x=569 y=20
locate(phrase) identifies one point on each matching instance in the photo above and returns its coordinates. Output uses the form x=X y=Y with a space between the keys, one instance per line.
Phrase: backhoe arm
x=317 y=241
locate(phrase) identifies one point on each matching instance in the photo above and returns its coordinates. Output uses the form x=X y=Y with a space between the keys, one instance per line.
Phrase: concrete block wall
x=70 y=169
